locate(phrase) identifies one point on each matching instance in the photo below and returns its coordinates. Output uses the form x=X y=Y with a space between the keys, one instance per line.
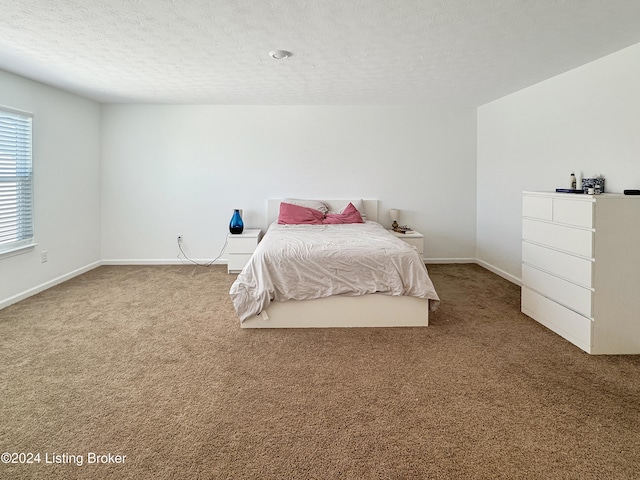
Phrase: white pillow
x=359 y=204
x=317 y=204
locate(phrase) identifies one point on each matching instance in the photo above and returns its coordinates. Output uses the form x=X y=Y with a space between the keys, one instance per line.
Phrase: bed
x=303 y=276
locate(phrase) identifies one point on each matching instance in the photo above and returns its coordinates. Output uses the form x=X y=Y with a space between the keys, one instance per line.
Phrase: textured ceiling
x=465 y=52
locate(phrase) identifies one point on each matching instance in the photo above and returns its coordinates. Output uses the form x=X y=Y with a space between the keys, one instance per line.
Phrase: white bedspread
x=301 y=262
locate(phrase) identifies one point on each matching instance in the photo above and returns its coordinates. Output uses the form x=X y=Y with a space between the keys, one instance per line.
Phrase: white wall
x=169 y=170
x=585 y=120
x=66 y=148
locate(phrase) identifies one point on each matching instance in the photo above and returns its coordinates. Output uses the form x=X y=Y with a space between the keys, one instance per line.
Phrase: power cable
x=208 y=264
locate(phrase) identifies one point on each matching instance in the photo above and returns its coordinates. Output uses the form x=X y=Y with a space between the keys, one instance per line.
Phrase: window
x=16 y=180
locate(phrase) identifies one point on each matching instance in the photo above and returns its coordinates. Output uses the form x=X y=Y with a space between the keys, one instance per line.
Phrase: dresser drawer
x=568 y=239
x=573 y=212
x=575 y=269
x=569 y=294
x=564 y=322
x=242 y=245
x=245 y=242
x=416 y=242
x=537 y=207
x=237 y=261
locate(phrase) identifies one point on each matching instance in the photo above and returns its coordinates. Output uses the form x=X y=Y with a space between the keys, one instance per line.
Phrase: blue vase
x=236 y=225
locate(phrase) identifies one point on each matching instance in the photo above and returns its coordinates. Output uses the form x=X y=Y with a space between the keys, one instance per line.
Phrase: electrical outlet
x=179 y=238
x=44 y=256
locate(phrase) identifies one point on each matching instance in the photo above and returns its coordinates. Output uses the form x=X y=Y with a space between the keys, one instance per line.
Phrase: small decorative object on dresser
x=240 y=248
x=597 y=183
x=236 y=225
x=580 y=264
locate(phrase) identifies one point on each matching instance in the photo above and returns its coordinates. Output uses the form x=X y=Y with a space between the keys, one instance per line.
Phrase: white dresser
x=581 y=268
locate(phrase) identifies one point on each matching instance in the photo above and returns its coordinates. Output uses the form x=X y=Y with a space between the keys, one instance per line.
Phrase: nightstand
x=416 y=239
x=240 y=247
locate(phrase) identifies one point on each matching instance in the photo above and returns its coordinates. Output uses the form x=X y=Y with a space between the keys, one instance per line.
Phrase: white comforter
x=301 y=262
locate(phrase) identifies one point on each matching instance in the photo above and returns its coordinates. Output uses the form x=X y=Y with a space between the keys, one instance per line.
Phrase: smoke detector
x=279 y=54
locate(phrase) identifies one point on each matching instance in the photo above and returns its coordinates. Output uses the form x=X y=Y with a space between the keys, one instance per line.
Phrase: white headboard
x=370 y=207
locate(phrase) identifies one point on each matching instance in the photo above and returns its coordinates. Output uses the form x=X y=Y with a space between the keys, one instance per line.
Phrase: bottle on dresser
x=579 y=181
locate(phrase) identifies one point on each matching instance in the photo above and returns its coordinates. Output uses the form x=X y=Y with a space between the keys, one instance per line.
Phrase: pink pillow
x=350 y=214
x=295 y=215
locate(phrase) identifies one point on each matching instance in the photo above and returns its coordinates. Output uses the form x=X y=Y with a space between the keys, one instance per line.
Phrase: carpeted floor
x=150 y=363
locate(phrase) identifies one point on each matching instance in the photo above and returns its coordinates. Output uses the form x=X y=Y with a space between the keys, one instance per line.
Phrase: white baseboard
x=46 y=285
x=450 y=260
x=162 y=261
x=488 y=266
x=502 y=273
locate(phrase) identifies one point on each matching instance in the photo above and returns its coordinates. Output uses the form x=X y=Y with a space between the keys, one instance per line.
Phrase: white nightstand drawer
x=573 y=296
x=575 y=269
x=415 y=238
x=243 y=243
x=416 y=242
x=569 y=239
x=237 y=261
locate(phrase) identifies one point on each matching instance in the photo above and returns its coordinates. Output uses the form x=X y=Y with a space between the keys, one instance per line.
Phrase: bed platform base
x=374 y=310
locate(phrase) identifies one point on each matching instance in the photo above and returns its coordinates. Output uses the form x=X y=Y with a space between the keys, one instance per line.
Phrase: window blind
x=16 y=180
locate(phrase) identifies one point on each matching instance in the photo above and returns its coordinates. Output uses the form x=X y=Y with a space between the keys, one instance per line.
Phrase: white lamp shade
x=394 y=214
